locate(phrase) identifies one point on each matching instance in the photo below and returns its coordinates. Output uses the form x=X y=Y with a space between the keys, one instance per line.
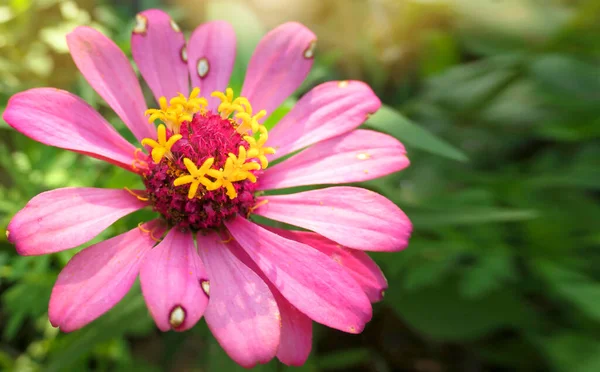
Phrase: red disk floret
x=207 y=135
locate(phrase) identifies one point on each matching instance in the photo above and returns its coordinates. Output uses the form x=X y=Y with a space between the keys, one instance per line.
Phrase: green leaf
x=568 y=80
x=442 y=313
x=570 y=351
x=577 y=288
x=471 y=87
x=440 y=52
x=394 y=123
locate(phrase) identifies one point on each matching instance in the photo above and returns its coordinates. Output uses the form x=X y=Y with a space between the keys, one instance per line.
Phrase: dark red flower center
x=207 y=135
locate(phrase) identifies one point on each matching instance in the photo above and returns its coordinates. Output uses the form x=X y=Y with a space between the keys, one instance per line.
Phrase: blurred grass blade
x=470 y=216
x=568 y=78
x=576 y=288
x=394 y=123
x=570 y=351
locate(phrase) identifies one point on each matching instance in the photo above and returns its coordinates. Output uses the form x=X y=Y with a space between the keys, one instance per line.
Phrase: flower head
x=204 y=172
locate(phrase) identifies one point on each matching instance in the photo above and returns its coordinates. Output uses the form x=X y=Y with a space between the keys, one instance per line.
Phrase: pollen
x=363 y=156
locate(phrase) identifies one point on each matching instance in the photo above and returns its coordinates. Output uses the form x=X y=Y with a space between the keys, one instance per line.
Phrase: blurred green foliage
x=502 y=126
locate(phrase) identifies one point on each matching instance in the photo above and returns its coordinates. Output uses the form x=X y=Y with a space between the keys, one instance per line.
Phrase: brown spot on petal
x=352 y=329
x=205 y=284
x=141 y=25
x=177 y=317
x=202 y=67
x=183 y=54
x=174 y=26
x=309 y=52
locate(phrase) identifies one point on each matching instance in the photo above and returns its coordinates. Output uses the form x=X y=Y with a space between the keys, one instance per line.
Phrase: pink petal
x=307 y=278
x=98 y=277
x=296 y=328
x=65 y=218
x=356 y=156
x=296 y=334
x=278 y=66
x=171 y=277
x=351 y=216
x=357 y=263
x=211 y=54
x=58 y=118
x=328 y=110
x=159 y=54
x=242 y=313
x=109 y=72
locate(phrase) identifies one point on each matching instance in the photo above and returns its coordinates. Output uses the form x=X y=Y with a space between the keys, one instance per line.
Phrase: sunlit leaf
x=394 y=123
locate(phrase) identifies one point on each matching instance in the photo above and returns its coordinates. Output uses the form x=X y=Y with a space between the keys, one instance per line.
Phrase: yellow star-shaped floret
x=196 y=176
x=228 y=105
x=162 y=147
x=236 y=169
x=257 y=151
x=190 y=105
x=249 y=122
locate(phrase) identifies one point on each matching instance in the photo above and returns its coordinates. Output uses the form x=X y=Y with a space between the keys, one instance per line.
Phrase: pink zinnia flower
x=259 y=288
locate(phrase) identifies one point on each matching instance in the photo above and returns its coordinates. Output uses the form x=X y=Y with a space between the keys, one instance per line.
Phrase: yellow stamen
x=139 y=197
x=257 y=151
x=228 y=240
x=158 y=240
x=172 y=115
x=236 y=169
x=190 y=105
x=150 y=232
x=139 y=164
x=196 y=176
x=228 y=104
x=249 y=122
x=162 y=147
x=257 y=205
